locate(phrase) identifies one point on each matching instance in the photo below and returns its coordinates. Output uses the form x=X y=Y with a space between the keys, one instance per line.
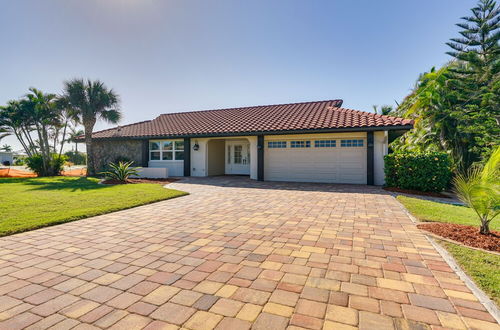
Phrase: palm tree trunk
x=485 y=228
x=89 y=126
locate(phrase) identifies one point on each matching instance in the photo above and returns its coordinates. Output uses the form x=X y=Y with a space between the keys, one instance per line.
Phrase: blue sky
x=165 y=56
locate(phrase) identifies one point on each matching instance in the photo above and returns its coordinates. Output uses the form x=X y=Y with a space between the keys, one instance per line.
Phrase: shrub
x=480 y=190
x=77 y=158
x=6 y=163
x=418 y=171
x=55 y=166
x=121 y=171
x=19 y=161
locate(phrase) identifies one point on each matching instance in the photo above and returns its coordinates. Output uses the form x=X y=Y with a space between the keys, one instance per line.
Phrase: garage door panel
x=332 y=165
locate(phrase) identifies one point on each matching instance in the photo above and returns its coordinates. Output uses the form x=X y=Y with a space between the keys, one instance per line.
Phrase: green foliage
x=456 y=107
x=418 y=171
x=36 y=164
x=91 y=101
x=30 y=203
x=121 y=171
x=75 y=157
x=480 y=190
x=19 y=161
x=6 y=148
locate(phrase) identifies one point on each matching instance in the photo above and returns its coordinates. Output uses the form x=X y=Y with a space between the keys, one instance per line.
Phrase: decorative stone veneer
x=111 y=151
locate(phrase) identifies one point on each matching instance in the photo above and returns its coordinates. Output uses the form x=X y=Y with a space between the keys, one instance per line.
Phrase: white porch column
x=253 y=156
x=199 y=157
x=380 y=149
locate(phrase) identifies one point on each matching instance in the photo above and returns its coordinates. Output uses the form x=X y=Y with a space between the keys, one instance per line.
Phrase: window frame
x=277 y=144
x=325 y=143
x=300 y=144
x=174 y=150
x=352 y=143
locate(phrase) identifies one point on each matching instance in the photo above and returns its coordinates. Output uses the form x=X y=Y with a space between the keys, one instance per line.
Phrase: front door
x=237 y=158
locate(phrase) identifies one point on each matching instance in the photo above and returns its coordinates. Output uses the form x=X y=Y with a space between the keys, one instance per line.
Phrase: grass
x=425 y=210
x=30 y=203
x=483 y=267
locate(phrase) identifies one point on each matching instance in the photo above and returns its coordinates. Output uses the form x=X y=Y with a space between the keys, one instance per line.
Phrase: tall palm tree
x=91 y=100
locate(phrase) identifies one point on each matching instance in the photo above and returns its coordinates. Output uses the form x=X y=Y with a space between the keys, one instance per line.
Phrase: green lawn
x=29 y=203
x=483 y=267
x=425 y=210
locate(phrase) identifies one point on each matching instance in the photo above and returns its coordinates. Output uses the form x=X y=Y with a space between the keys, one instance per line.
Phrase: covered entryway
x=316 y=159
x=229 y=156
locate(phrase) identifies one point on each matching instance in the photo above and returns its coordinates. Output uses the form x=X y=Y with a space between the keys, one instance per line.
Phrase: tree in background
x=73 y=135
x=456 y=107
x=386 y=110
x=6 y=148
x=39 y=121
x=91 y=100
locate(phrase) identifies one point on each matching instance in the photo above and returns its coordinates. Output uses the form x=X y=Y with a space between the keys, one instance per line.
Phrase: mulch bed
x=416 y=192
x=467 y=235
x=159 y=181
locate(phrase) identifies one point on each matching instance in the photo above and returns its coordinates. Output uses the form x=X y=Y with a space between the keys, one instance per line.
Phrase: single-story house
x=302 y=142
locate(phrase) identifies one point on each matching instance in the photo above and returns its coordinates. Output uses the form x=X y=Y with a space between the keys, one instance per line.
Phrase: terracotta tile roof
x=265 y=118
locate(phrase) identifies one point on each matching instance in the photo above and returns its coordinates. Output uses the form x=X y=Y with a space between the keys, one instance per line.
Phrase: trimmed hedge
x=418 y=171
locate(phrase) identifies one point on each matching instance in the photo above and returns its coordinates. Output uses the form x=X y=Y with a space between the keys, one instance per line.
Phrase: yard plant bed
x=467 y=235
x=416 y=192
x=30 y=203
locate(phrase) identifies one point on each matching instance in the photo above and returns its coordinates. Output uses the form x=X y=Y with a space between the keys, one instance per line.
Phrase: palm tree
x=6 y=148
x=480 y=190
x=91 y=100
x=74 y=134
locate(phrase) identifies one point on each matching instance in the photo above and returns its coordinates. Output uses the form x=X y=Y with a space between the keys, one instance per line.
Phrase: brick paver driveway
x=237 y=254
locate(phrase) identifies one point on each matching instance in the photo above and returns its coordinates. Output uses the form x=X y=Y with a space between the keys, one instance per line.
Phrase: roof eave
x=252 y=133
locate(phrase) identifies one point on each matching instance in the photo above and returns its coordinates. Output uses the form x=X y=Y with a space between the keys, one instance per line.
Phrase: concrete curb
x=490 y=306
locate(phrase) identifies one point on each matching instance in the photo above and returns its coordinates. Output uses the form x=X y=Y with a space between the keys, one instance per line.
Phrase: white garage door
x=316 y=160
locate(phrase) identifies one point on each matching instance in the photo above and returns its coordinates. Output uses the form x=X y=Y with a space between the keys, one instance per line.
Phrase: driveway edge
x=490 y=306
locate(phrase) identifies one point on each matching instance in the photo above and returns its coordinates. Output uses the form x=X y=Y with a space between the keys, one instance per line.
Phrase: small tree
x=480 y=190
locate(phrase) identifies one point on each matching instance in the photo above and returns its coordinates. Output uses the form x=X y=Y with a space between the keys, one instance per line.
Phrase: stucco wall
x=216 y=157
x=110 y=151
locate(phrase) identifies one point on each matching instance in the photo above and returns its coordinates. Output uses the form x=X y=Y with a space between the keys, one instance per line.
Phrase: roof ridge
x=248 y=107
x=121 y=126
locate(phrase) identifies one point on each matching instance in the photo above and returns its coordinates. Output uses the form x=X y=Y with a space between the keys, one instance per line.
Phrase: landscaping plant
x=429 y=171
x=479 y=188
x=121 y=171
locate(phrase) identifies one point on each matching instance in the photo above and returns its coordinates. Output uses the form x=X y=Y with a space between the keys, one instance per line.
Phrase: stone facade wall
x=107 y=151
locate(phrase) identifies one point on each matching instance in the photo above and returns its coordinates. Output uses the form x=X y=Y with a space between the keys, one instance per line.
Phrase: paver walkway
x=237 y=254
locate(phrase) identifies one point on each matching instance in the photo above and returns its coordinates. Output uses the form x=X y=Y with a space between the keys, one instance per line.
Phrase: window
x=300 y=144
x=276 y=144
x=351 y=143
x=325 y=143
x=166 y=150
x=238 y=154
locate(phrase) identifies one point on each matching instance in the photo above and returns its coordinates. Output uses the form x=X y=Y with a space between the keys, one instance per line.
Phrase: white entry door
x=237 y=158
